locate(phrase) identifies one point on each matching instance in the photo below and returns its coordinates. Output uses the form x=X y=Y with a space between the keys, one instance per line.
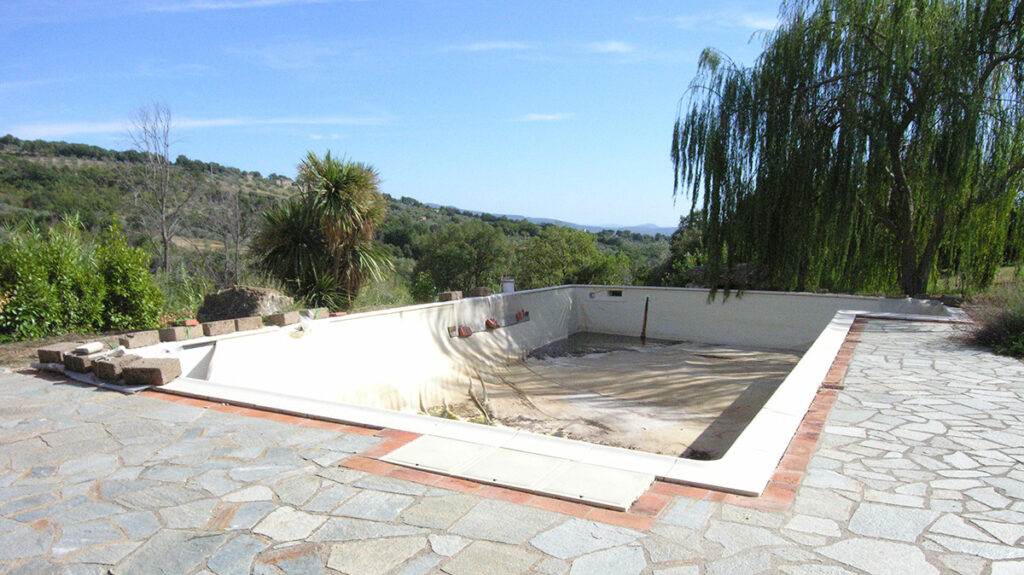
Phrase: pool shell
x=362 y=348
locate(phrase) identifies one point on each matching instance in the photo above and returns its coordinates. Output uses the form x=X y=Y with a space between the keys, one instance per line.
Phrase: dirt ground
x=686 y=399
x=19 y=354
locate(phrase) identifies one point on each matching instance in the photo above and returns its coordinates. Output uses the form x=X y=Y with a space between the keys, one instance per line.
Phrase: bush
x=132 y=299
x=62 y=281
x=1000 y=315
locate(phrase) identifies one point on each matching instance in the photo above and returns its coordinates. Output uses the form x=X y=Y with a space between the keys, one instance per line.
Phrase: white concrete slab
x=439 y=454
x=518 y=469
x=594 y=484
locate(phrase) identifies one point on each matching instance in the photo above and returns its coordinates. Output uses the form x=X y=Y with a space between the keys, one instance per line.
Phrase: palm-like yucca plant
x=320 y=243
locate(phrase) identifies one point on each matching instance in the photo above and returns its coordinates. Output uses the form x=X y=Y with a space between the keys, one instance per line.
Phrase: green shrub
x=48 y=284
x=1001 y=317
x=183 y=292
x=132 y=299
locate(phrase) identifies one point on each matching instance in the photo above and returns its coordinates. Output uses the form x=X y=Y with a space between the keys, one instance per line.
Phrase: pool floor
x=679 y=399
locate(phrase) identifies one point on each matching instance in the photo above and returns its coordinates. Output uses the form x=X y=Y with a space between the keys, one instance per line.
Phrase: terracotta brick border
x=777 y=496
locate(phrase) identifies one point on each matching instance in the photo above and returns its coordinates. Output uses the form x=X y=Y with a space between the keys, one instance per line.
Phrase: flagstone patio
x=918 y=469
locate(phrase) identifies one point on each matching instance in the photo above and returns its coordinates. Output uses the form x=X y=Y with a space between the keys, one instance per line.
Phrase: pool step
x=564 y=478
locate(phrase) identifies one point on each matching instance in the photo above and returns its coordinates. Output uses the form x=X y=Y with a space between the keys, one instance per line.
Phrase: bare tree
x=161 y=192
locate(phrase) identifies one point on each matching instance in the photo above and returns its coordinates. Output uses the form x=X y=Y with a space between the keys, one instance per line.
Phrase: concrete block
x=248 y=323
x=152 y=371
x=54 y=353
x=180 y=332
x=449 y=295
x=221 y=327
x=110 y=368
x=89 y=348
x=79 y=363
x=284 y=318
x=139 y=339
x=318 y=313
x=479 y=292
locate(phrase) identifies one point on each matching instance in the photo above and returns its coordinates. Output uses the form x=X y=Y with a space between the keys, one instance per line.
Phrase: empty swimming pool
x=723 y=383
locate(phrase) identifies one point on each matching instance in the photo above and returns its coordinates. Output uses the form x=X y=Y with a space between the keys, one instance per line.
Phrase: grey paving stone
x=890 y=522
x=236 y=556
x=348 y=529
x=735 y=538
x=579 y=537
x=30 y=502
x=308 y=563
x=688 y=513
x=25 y=542
x=447 y=545
x=880 y=557
x=172 y=551
x=249 y=514
x=504 y=522
x=439 y=512
x=419 y=565
x=137 y=524
x=35 y=567
x=372 y=558
x=296 y=491
x=623 y=560
x=191 y=515
x=491 y=558
x=390 y=485
x=376 y=505
x=288 y=524
x=678 y=570
x=992 y=551
x=330 y=498
x=250 y=493
x=79 y=536
x=106 y=554
x=759 y=561
x=351 y=443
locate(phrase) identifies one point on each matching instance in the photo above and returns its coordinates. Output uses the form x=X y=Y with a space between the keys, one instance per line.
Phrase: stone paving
x=918 y=470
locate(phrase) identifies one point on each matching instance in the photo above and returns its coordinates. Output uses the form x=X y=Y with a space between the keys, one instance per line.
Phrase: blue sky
x=546 y=109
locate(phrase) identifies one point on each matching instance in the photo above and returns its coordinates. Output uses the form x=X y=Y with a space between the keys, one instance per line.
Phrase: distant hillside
x=646 y=229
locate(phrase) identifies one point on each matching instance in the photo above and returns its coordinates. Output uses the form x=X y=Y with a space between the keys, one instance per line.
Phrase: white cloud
x=728 y=19
x=491 y=46
x=535 y=117
x=49 y=130
x=610 y=47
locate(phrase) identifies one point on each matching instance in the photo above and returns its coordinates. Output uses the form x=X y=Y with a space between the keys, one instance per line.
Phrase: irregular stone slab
x=391 y=485
x=439 y=512
x=27 y=541
x=735 y=537
x=372 y=558
x=82 y=535
x=190 y=515
x=287 y=524
x=626 y=560
x=152 y=371
x=330 y=498
x=991 y=551
x=253 y=493
x=688 y=513
x=236 y=556
x=139 y=339
x=890 y=522
x=248 y=323
x=880 y=557
x=504 y=522
x=578 y=537
x=447 y=545
x=346 y=529
x=249 y=514
x=138 y=524
x=172 y=551
x=491 y=558
x=420 y=565
x=180 y=332
x=222 y=327
x=297 y=490
x=54 y=353
x=110 y=368
x=375 y=505
x=748 y=564
x=106 y=554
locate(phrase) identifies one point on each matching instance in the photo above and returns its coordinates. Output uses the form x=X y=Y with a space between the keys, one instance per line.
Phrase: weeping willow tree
x=320 y=243
x=867 y=138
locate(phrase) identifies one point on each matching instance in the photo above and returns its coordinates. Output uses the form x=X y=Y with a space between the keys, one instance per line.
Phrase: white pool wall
x=404 y=359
